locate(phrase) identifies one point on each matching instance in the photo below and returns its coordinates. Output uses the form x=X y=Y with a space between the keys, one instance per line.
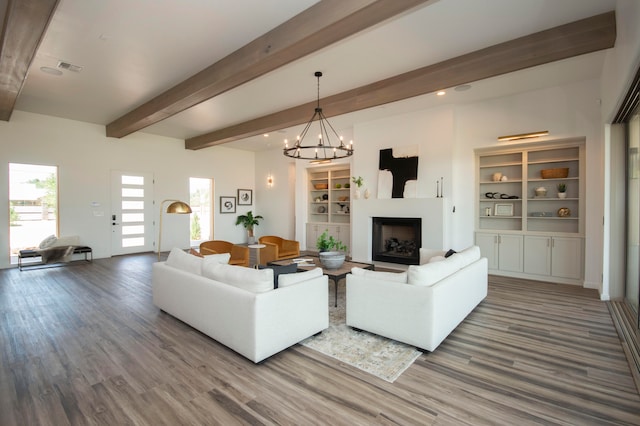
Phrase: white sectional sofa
x=423 y=305
x=239 y=306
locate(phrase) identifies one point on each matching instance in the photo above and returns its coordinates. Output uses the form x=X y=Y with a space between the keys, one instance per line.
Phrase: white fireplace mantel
x=433 y=211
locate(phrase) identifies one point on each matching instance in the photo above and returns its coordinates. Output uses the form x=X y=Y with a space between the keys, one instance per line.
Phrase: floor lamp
x=176 y=207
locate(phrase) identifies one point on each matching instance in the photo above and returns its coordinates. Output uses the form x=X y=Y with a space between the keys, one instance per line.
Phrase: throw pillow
x=396 y=277
x=426 y=254
x=286 y=280
x=280 y=270
x=254 y=280
x=48 y=242
x=214 y=259
x=449 y=253
x=181 y=260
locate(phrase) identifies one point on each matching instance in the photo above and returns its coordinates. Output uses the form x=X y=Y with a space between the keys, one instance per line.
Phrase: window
x=33 y=205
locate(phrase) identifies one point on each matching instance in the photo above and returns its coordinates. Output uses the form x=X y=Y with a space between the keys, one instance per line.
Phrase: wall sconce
x=270 y=180
x=523 y=136
x=177 y=207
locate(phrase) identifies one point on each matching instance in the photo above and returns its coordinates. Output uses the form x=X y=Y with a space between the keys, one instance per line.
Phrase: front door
x=132 y=225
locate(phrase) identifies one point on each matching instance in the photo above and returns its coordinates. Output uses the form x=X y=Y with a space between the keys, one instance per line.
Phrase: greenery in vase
x=249 y=221
x=562 y=187
x=358 y=181
x=328 y=243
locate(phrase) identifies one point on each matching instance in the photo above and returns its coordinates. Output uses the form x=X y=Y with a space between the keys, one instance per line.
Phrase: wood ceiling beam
x=566 y=41
x=23 y=27
x=315 y=28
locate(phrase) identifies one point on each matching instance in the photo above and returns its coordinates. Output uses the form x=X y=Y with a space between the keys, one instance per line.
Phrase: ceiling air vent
x=70 y=67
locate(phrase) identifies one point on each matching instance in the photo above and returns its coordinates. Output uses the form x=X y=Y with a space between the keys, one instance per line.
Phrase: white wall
x=85 y=157
x=276 y=202
x=447 y=137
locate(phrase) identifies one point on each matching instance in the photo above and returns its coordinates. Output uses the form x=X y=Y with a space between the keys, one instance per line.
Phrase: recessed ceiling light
x=266 y=135
x=462 y=87
x=49 y=70
x=441 y=93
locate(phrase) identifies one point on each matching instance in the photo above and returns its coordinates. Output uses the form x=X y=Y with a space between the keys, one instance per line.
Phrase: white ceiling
x=132 y=50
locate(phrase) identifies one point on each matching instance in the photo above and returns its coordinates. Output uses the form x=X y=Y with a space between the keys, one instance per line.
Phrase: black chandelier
x=323 y=150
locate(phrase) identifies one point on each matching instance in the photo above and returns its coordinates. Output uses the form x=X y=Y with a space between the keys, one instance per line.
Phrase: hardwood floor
x=84 y=345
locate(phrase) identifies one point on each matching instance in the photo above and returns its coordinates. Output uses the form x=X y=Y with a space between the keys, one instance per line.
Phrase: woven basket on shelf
x=561 y=172
x=321 y=186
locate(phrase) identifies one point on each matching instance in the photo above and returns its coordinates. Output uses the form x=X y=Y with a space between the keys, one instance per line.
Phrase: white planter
x=356 y=194
x=332 y=259
x=562 y=195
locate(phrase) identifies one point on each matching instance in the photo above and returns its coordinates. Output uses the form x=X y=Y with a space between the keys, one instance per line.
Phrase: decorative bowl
x=331 y=259
x=321 y=185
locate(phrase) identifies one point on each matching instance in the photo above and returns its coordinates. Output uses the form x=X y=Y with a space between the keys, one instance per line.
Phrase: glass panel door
x=632 y=291
x=131 y=212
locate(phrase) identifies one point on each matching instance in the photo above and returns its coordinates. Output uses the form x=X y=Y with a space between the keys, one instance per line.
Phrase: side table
x=257 y=248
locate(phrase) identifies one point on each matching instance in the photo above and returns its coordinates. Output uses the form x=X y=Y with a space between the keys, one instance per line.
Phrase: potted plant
x=332 y=251
x=249 y=221
x=562 y=190
x=359 y=182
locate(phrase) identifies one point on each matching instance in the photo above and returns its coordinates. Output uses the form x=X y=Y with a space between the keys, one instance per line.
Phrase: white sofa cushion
x=436 y=259
x=286 y=280
x=469 y=255
x=254 y=280
x=214 y=259
x=430 y=273
x=398 y=277
x=184 y=261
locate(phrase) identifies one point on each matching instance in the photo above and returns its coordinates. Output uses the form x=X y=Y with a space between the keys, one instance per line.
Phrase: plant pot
x=562 y=195
x=331 y=259
x=356 y=194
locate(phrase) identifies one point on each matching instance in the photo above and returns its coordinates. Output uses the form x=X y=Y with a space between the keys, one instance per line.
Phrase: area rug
x=379 y=356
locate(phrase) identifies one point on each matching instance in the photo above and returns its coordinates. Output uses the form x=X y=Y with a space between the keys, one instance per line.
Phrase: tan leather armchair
x=239 y=254
x=278 y=248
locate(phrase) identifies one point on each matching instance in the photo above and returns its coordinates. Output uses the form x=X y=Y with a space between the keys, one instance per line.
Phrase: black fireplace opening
x=397 y=240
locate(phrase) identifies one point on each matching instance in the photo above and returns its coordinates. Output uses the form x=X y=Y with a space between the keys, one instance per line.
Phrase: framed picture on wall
x=245 y=197
x=227 y=204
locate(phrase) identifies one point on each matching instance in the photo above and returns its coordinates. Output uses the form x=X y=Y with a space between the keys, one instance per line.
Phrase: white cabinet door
x=503 y=251
x=312 y=235
x=537 y=255
x=488 y=244
x=566 y=257
x=510 y=253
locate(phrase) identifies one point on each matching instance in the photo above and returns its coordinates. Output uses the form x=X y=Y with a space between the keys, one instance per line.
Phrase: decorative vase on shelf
x=367 y=194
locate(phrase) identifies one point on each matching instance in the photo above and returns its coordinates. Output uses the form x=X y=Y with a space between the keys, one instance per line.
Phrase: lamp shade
x=178 y=207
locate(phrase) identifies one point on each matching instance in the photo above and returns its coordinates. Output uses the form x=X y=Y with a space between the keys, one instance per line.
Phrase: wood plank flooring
x=84 y=345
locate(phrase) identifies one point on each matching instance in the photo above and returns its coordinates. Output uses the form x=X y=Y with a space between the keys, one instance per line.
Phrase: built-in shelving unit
x=523 y=229
x=329 y=207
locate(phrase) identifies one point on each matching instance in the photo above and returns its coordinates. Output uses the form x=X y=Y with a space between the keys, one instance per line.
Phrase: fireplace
x=397 y=240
